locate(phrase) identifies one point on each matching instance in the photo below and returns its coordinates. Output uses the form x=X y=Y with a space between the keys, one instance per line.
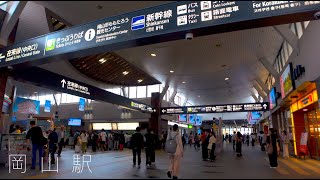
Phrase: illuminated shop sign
x=123 y=31
x=305 y=101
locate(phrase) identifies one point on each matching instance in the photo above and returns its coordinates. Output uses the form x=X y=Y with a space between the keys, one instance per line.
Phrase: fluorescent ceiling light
x=125 y=73
x=198 y=96
x=35 y=92
x=140 y=80
x=102 y=60
x=171 y=71
x=153 y=55
x=183 y=82
x=226 y=79
x=305 y=109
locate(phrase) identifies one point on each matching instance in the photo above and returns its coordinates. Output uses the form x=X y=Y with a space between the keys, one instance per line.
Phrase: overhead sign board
x=246 y=107
x=169 y=21
x=67 y=85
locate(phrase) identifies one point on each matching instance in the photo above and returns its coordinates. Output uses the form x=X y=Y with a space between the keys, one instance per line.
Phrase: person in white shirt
x=212 y=145
x=103 y=136
x=84 y=141
x=234 y=138
x=175 y=158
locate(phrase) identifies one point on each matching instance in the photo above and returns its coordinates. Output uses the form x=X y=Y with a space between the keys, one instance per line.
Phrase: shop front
x=305 y=123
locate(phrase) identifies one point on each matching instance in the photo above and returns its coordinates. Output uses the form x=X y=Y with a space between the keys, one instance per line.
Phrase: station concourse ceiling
x=202 y=63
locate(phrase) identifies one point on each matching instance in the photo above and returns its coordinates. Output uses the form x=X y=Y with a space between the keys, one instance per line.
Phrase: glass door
x=313 y=133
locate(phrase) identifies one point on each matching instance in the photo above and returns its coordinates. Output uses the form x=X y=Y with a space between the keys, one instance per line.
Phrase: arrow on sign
x=265 y=106
x=163 y=111
x=63 y=82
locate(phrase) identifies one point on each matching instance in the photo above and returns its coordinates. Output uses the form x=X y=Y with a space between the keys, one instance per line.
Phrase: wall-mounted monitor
x=74 y=122
x=26 y=106
x=192 y=119
x=183 y=118
x=273 y=98
x=198 y=120
x=255 y=115
x=47 y=106
x=286 y=81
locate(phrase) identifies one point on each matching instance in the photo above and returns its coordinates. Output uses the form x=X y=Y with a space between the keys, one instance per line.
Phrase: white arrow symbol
x=63 y=82
x=265 y=106
x=1 y=56
x=163 y=110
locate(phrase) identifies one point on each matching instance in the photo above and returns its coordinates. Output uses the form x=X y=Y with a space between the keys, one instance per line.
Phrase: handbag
x=270 y=146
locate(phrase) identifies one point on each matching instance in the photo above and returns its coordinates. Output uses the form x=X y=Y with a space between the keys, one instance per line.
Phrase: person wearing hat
x=53 y=140
x=61 y=139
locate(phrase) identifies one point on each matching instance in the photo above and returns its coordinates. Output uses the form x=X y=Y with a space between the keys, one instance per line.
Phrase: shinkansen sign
x=170 y=22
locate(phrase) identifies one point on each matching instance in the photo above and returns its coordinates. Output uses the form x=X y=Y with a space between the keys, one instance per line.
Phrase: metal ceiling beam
x=255 y=97
x=260 y=92
x=269 y=67
x=172 y=96
x=11 y=20
x=185 y=102
x=262 y=85
x=289 y=36
x=164 y=91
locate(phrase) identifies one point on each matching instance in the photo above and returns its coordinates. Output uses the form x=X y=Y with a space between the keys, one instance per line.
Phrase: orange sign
x=305 y=101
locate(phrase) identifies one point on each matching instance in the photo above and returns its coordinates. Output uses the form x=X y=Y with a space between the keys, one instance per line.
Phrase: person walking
x=61 y=139
x=38 y=141
x=53 y=144
x=239 y=143
x=150 y=146
x=110 y=141
x=252 y=139
x=84 y=141
x=136 y=143
x=94 y=138
x=234 y=138
x=212 y=146
x=248 y=139
x=264 y=141
x=175 y=157
x=272 y=148
x=122 y=141
x=116 y=141
x=285 y=143
x=191 y=139
x=204 y=146
x=103 y=142
x=183 y=139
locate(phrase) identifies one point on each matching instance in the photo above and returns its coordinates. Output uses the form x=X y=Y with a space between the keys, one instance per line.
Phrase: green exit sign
x=190 y=126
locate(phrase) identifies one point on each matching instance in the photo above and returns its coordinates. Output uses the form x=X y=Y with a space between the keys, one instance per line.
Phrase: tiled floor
x=253 y=164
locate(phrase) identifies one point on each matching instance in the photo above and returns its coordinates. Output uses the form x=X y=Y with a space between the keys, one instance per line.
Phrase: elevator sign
x=154 y=25
x=246 y=107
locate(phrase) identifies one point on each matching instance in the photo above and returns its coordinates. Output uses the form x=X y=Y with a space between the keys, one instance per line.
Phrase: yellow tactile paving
x=294 y=167
x=306 y=165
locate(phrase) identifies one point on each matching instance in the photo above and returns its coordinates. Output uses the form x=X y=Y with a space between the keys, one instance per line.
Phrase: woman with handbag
x=239 y=139
x=272 y=148
x=285 y=142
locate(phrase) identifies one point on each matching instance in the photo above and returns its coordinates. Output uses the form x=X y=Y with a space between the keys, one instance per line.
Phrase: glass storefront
x=230 y=130
x=313 y=127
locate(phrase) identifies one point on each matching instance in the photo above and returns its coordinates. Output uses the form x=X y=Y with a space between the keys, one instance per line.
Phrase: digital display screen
x=273 y=98
x=255 y=115
x=74 y=122
x=26 y=106
x=82 y=103
x=192 y=119
x=286 y=82
x=183 y=118
x=198 y=120
x=47 y=106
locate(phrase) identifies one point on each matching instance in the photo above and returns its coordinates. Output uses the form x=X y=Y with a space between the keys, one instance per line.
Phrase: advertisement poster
x=192 y=119
x=303 y=143
x=286 y=82
x=183 y=118
x=47 y=106
x=82 y=103
x=26 y=106
x=272 y=98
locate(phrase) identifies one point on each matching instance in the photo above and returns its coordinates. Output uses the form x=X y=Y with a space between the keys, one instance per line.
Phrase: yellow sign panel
x=305 y=101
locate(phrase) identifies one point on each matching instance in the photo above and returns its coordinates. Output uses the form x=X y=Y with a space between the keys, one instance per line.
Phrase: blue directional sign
x=138 y=22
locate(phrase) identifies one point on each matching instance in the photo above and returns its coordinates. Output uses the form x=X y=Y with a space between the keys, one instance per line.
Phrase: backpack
x=171 y=144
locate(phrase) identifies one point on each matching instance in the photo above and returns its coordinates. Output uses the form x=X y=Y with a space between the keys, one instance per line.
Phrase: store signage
x=246 y=107
x=145 y=26
x=305 y=101
x=190 y=126
x=39 y=76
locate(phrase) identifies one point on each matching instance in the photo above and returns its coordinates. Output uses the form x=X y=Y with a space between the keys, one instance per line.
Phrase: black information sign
x=246 y=107
x=137 y=28
x=47 y=79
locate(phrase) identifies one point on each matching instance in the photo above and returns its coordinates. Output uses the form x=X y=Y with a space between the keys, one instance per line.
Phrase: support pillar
x=3 y=82
x=155 y=120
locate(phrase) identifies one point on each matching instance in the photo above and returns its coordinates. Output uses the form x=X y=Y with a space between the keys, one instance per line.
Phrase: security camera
x=317 y=15
x=189 y=36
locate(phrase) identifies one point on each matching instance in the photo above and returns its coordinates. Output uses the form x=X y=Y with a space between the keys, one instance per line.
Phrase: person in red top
x=204 y=145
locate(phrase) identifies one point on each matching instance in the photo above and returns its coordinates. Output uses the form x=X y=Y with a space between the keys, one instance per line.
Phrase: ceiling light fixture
x=183 y=82
x=102 y=60
x=198 y=96
x=171 y=71
x=153 y=55
x=226 y=79
x=35 y=92
x=125 y=73
x=140 y=80
x=305 y=109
